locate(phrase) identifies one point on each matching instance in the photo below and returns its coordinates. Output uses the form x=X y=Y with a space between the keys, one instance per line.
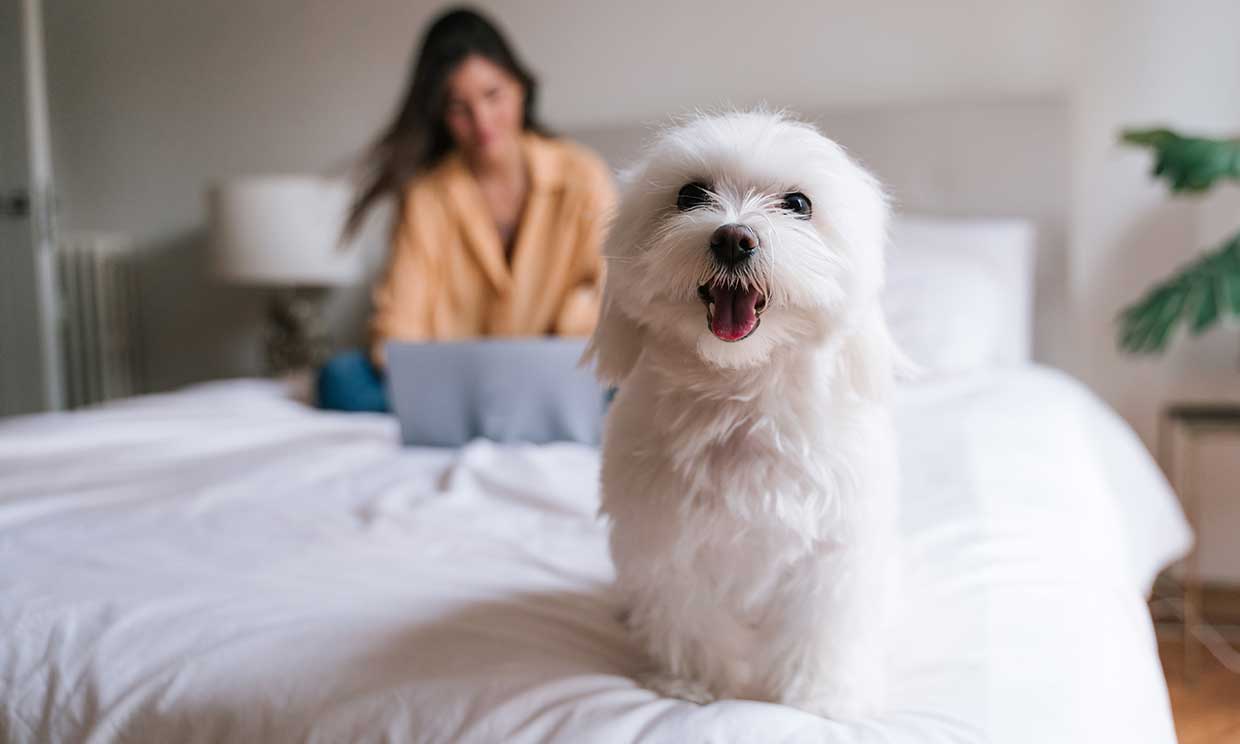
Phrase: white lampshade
x=282 y=230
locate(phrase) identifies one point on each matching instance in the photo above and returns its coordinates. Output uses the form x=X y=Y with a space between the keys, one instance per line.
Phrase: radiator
x=100 y=321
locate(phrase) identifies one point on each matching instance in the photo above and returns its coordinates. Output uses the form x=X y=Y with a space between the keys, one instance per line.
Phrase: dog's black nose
x=733 y=244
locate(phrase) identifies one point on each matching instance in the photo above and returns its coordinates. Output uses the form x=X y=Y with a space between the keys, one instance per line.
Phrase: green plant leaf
x=1147 y=324
x=1160 y=333
x=1199 y=294
x=1206 y=308
x=1231 y=282
x=1191 y=164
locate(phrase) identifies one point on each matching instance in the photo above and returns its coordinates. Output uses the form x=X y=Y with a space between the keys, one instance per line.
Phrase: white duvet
x=222 y=564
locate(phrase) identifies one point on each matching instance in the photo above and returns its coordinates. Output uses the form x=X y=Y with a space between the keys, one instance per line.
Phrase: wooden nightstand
x=1180 y=428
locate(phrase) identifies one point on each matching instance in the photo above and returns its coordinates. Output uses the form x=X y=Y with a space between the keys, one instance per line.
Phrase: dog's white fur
x=751 y=485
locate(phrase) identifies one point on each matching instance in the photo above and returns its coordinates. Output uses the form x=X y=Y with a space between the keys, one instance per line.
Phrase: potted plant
x=1207 y=289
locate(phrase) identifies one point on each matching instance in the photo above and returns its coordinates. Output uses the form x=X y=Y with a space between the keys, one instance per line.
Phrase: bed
x=226 y=564
x=223 y=563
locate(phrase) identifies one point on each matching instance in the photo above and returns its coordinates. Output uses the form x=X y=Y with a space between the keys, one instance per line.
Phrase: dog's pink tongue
x=735 y=314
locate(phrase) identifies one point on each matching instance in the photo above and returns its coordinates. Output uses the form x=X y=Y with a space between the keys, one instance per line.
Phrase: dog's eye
x=798 y=203
x=692 y=196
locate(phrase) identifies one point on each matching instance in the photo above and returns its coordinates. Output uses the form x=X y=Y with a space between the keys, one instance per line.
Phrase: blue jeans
x=351 y=382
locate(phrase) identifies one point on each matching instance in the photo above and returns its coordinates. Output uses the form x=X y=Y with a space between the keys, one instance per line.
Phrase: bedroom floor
x=1208 y=712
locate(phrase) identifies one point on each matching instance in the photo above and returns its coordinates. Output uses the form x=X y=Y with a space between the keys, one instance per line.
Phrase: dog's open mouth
x=732 y=312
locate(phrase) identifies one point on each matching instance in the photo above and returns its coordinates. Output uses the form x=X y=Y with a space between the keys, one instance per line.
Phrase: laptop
x=506 y=390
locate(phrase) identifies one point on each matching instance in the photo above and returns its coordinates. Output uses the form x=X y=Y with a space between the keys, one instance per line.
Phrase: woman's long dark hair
x=417 y=138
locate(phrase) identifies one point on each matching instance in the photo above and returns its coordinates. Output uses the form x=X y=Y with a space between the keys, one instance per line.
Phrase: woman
x=499 y=225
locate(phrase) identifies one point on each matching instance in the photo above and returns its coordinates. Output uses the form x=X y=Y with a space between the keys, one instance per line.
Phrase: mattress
x=224 y=564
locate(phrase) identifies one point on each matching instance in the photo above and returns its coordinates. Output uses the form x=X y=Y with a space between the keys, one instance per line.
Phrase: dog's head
x=737 y=235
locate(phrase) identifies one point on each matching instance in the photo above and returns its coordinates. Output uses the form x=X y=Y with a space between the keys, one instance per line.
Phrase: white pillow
x=958 y=292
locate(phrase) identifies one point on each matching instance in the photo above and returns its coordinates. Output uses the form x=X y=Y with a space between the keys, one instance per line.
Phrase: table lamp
x=284 y=233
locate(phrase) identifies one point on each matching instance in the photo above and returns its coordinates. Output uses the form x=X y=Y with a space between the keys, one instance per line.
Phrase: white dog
x=748 y=461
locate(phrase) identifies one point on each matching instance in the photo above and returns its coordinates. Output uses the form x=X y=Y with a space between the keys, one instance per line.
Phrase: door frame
x=42 y=201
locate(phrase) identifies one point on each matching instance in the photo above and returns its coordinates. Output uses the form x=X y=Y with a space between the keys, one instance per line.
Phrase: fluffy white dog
x=748 y=460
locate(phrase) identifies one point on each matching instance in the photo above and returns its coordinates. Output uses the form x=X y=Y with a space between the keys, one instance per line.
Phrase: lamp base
x=297 y=338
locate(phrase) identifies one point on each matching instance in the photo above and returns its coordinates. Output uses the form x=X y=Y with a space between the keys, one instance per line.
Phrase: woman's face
x=484 y=109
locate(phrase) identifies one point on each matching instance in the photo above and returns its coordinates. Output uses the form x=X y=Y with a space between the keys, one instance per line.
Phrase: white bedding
x=222 y=564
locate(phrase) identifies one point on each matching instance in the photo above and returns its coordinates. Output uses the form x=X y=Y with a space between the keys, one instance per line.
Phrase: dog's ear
x=869 y=357
x=616 y=343
x=617 y=340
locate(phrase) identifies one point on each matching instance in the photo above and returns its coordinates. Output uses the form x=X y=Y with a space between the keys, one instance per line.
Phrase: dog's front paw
x=677 y=687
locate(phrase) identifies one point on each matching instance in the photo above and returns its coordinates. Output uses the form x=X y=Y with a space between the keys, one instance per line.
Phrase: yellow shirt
x=448 y=276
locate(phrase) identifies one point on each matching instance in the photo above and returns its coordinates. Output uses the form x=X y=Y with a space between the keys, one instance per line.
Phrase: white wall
x=609 y=61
